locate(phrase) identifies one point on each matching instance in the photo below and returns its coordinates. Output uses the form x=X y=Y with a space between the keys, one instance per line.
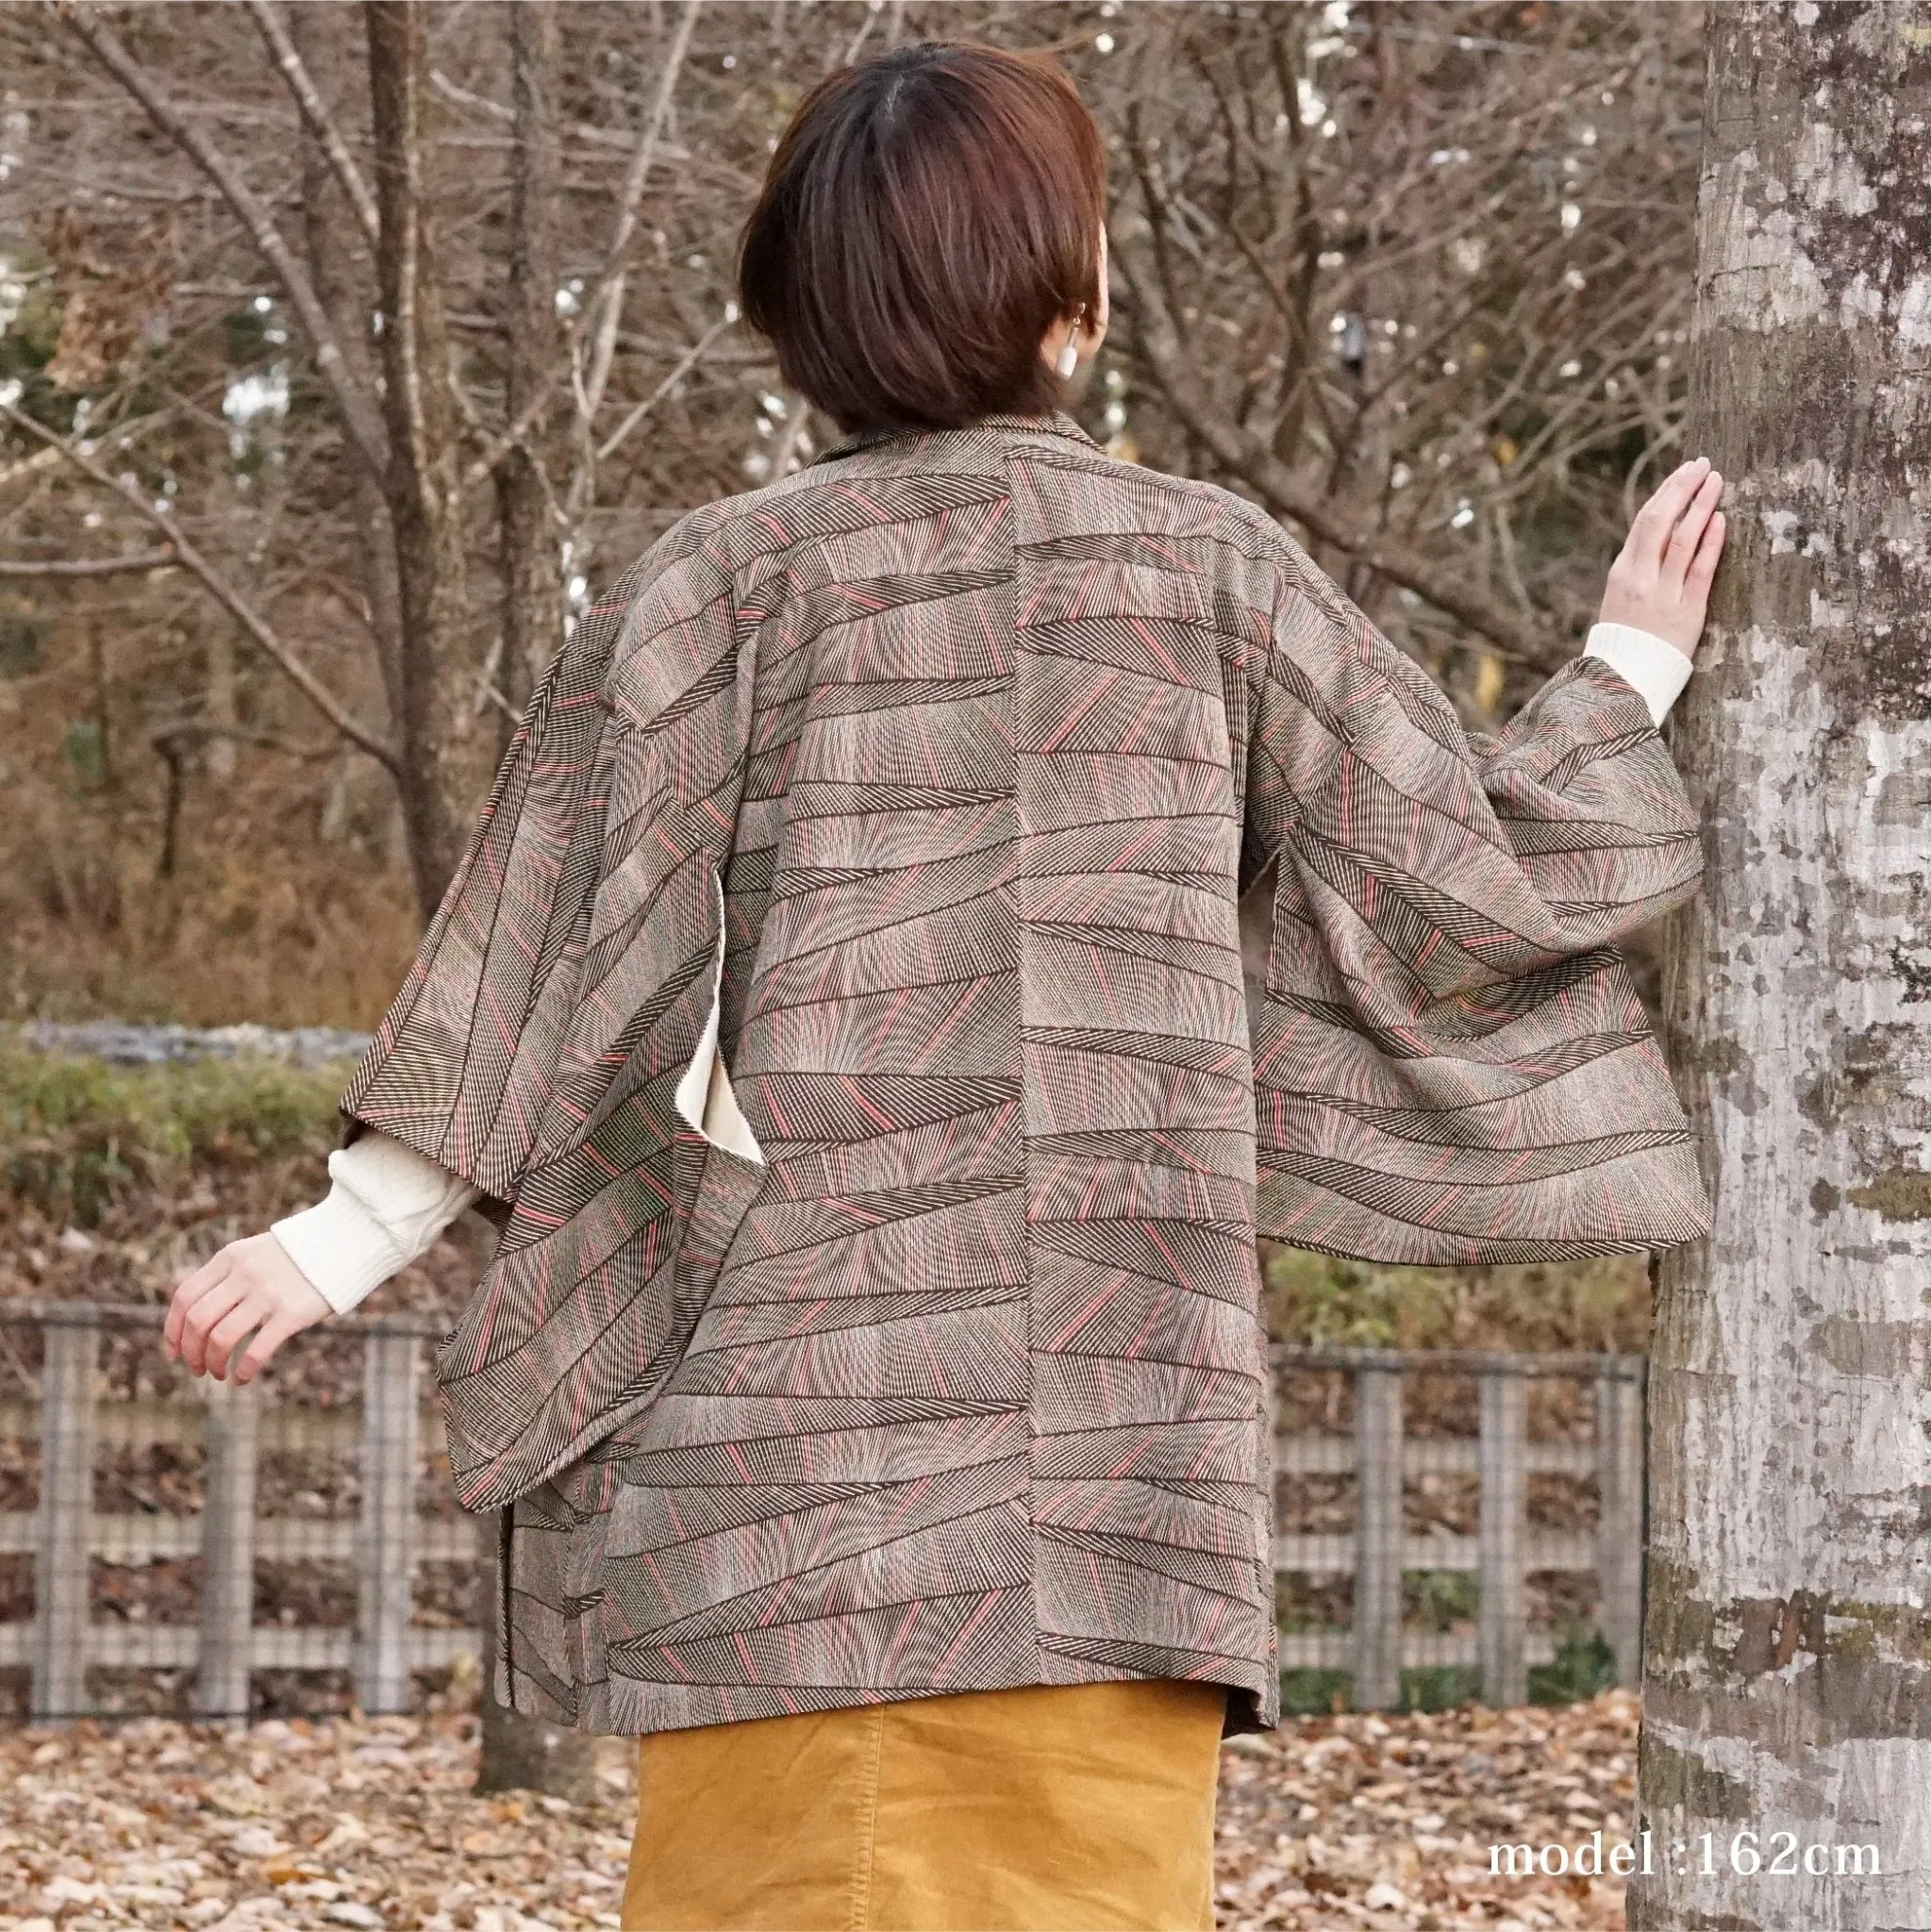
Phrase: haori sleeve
x=463 y=1066
x=1435 y=861
x=1450 y=1061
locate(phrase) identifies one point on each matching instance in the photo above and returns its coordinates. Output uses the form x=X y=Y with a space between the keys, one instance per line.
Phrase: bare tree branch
x=632 y=191
x=683 y=368
x=410 y=294
x=1285 y=494
x=89 y=566
x=609 y=280
x=589 y=135
x=196 y=730
x=589 y=383
x=357 y=410
x=321 y=124
x=231 y=600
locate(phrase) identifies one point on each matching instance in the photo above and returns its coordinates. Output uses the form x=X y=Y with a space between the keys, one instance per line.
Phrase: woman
x=840 y=1010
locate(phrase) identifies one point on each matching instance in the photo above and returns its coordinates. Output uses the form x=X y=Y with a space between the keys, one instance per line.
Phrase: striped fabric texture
x=904 y=808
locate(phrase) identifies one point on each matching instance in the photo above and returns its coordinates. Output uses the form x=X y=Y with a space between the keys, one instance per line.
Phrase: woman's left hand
x=1660 y=583
x=251 y=1285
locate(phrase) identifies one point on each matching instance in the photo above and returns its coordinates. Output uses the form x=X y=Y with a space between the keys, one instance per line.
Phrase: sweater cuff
x=343 y=1250
x=387 y=1208
x=1656 y=669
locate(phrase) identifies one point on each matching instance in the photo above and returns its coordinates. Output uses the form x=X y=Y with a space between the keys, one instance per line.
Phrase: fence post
x=231 y=1431
x=1618 y=1523
x=1503 y=1632
x=61 y=1576
x=386 y=1532
x=1378 y=1531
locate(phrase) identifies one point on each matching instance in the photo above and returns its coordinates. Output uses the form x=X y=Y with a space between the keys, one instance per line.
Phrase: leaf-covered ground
x=1387 y=1821
x=1348 y=1821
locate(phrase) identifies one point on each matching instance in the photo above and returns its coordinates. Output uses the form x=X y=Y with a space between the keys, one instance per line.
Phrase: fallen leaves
x=488 y=1844
x=239 y=1797
x=284 y=1827
x=1351 y=1821
x=1386 y=1821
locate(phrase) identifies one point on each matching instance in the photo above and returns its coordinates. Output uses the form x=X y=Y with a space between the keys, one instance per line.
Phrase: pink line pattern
x=985 y=735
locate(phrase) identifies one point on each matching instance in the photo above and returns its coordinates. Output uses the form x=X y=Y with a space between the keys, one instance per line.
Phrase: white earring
x=1068 y=356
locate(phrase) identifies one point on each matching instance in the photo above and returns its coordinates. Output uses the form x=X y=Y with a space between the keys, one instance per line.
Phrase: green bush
x=1325 y=1301
x=1423 y=1687
x=1582 y=1665
x=76 y=1134
x=1315 y=1693
x=1439 y=1686
x=1440 y=1599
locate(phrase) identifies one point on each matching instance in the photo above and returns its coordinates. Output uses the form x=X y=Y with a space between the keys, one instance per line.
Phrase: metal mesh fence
x=1446 y=1523
x=172 y=1545
x=1449 y=1523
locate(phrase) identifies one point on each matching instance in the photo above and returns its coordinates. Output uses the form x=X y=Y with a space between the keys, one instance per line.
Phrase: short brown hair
x=928 y=215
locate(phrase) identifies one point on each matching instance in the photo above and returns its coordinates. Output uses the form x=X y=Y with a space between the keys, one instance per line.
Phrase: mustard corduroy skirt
x=1076 y=1808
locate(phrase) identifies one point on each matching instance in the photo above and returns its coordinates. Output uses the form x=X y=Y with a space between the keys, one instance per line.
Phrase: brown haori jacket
x=843 y=995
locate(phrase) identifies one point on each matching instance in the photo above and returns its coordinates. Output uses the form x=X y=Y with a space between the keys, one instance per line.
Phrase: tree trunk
x=425 y=514
x=424 y=485
x=520 y=1754
x=531 y=540
x=223 y=714
x=1787 y=1638
x=343 y=285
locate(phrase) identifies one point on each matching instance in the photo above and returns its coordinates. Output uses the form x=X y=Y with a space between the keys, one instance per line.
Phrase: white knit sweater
x=387 y=1204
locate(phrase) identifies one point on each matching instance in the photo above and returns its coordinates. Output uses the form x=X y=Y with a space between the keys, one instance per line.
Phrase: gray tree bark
x=424 y=483
x=1788 y=1634
x=344 y=285
x=520 y=1754
x=528 y=527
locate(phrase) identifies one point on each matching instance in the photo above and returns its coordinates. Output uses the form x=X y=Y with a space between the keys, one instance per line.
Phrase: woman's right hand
x=1660 y=582
x=250 y=1284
